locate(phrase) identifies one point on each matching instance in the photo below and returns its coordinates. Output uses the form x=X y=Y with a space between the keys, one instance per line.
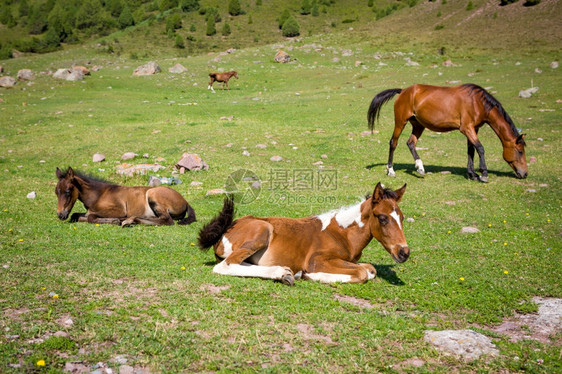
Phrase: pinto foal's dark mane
x=490 y=102
x=386 y=194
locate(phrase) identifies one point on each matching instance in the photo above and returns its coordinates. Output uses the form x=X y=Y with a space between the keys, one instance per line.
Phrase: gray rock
x=282 y=57
x=177 y=68
x=410 y=219
x=61 y=74
x=126 y=369
x=276 y=158
x=7 y=82
x=148 y=69
x=25 y=75
x=465 y=343
x=245 y=153
x=191 y=161
x=31 y=195
x=525 y=94
x=98 y=157
x=554 y=64
x=75 y=75
x=469 y=230
x=128 y=156
x=216 y=191
x=347 y=52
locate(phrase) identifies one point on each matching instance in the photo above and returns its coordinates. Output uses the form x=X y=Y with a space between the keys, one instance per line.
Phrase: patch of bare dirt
x=15 y=314
x=535 y=326
x=362 y=303
x=308 y=333
x=214 y=289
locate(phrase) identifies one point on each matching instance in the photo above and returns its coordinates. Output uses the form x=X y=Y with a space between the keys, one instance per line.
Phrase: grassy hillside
x=147 y=295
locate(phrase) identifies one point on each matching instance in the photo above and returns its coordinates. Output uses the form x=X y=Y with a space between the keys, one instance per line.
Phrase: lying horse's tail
x=190 y=218
x=213 y=231
x=378 y=101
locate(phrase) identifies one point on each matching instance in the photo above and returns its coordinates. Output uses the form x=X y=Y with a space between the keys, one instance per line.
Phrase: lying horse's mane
x=490 y=102
x=90 y=178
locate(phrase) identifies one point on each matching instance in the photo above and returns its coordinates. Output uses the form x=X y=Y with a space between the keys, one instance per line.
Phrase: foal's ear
x=70 y=172
x=377 y=193
x=59 y=173
x=400 y=192
x=520 y=139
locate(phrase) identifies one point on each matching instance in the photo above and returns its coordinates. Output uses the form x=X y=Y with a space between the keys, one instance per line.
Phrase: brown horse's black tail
x=378 y=101
x=213 y=231
x=190 y=217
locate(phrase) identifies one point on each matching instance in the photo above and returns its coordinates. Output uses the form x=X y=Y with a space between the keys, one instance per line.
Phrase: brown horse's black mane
x=490 y=102
x=386 y=194
x=93 y=180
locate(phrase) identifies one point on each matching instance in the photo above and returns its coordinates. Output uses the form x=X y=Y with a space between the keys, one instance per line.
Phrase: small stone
x=532 y=159
x=245 y=153
x=177 y=68
x=98 y=157
x=282 y=57
x=554 y=65
x=318 y=163
x=215 y=191
x=358 y=63
x=410 y=219
x=261 y=146
x=146 y=155
x=465 y=343
x=196 y=184
x=447 y=63
x=469 y=230
x=538 y=71
x=25 y=75
x=148 y=69
x=324 y=156
x=31 y=195
x=61 y=334
x=128 y=156
x=532 y=190
x=126 y=369
x=540 y=139
x=276 y=158
x=445 y=172
x=229 y=145
x=366 y=133
x=7 y=82
x=154 y=181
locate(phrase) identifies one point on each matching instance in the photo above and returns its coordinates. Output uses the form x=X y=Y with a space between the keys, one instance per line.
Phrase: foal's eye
x=383 y=219
x=67 y=192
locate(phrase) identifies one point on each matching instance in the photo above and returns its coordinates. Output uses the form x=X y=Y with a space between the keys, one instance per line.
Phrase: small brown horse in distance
x=221 y=77
x=324 y=248
x=110 y=203
x=465 y=108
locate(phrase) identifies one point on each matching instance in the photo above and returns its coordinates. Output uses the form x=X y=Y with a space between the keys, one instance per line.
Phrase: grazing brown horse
x=465 y=108
x=325 y=248
x=110 y=203
x=221 y=77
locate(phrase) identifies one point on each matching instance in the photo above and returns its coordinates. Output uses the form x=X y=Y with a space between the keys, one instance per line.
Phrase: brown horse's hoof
x=483 y=179
x=288 y=280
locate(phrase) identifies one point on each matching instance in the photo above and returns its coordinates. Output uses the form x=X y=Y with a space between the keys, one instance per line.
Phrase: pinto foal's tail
x=378 y=101
x=213 y=231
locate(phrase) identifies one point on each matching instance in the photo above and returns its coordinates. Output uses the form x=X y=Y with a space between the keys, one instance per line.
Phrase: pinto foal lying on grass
x=325 y=248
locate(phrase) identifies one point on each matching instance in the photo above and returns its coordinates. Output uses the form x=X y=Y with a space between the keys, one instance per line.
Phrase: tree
x=37 y=20
x=211 y=29
x=283 y=17
x=189 y=5
x=24 y=8
x=173 y=22
x=226 y=29
x=126 y=18
x=305 y=7
x=291 y=27
x=115 y=7
x=234 y=8
x=315 y=12
x=6 y=17
x=89 y=15
x=167 y=4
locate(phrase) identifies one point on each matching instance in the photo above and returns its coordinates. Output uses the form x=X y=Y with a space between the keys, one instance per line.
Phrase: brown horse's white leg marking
x=329 y=278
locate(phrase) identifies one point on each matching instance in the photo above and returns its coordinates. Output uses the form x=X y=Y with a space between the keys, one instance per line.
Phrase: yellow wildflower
x=40 y=363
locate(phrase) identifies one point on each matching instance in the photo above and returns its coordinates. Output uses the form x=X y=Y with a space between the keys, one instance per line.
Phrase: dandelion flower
x=461 y=279
x=504 y=221
x=527 y=213
x=192 y=243
x=10 y=230
x=20 y=240
x=183 y=268
x=504 y=243
x=40 y=363
x=548 y=220
x=97 y=225
x=489 y=225
x=506 y=272
x=448 y=232
x=55 y=296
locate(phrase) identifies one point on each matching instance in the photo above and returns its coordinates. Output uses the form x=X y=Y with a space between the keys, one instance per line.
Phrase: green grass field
x=148 y=294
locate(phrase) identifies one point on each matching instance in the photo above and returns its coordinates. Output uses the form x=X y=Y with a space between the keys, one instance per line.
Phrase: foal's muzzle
x=402 y=255
x=521 y=174
x=63 y=215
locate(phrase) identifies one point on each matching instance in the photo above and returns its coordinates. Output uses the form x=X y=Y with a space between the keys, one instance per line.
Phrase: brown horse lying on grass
x=221 y=77
x=465 y=108
x=110 y=203
x=325 y=248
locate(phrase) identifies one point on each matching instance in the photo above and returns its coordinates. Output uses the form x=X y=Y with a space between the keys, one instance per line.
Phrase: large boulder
x=75 y=75
x=191 y=161
x=468 y=344
x=177 y=68
x=82 y=69
x=147 y=69
x=7 y=82
x=282 y=57
x=25 y=75
x=61 y=73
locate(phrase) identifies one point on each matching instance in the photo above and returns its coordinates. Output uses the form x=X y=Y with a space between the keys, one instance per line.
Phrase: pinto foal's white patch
x=329 y=277
x=396 y=217
x=344 y=216
x=227 y=247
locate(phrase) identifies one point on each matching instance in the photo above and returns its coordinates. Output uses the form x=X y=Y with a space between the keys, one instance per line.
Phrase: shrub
x=211 y=29
x=469 y=6
x=283 y=17
x=291 y=27
x=305 y=7
x=192 y=28
x=258 y=2
x=250 y=20
x=531 y=2
x=370 y=3
x=179 y=42
x=315 y=12
x=507 y=2
x=173 y=22
x=126 y=18
x=167 y=4
x=225 y=29
x=189 y=5
x=439 y=27
x=234 y=8
x=212 y=12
